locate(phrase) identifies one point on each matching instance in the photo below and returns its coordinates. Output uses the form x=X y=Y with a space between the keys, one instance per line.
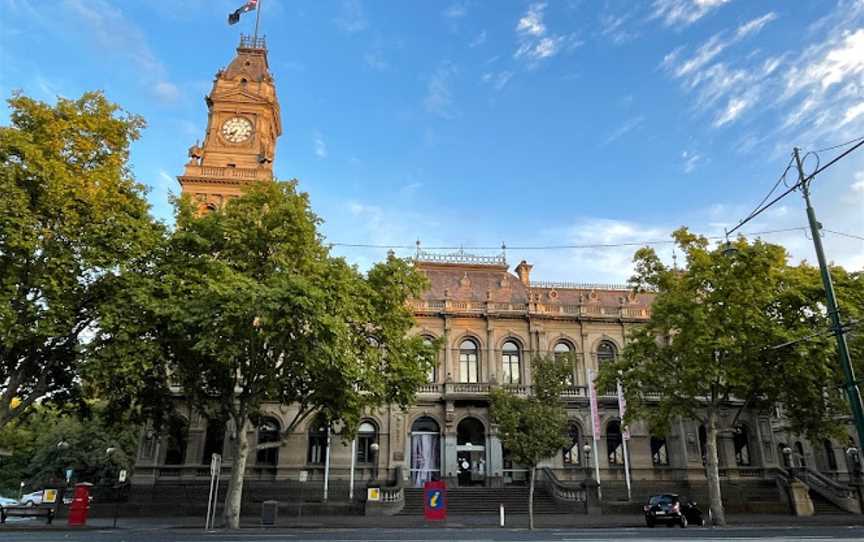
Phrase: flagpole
x=257 y=19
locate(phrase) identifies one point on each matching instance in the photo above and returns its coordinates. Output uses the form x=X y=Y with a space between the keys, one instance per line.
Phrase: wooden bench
x=26 y=511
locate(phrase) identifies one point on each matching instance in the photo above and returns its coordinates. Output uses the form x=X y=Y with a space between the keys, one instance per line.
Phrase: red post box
x=80 y=504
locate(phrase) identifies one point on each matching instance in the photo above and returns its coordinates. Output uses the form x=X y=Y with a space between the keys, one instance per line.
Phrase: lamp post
x=586 y=451
x=787 y=453
x=374 y=449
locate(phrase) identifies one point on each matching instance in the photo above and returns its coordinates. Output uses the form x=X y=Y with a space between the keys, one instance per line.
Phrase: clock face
x=237 y=129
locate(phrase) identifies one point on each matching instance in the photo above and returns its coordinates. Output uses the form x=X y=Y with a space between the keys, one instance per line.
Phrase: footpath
x=562 y=521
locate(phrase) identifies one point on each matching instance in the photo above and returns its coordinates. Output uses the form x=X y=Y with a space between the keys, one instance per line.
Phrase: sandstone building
x=491 y=321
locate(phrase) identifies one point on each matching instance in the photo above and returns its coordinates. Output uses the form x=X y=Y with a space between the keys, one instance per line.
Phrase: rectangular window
x=659 y=453
x=317 y=449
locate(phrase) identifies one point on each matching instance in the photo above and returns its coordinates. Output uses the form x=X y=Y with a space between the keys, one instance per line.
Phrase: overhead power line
x=759 y=210
x=567 y=247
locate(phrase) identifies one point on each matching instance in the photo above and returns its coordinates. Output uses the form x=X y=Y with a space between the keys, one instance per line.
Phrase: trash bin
x=269 y=510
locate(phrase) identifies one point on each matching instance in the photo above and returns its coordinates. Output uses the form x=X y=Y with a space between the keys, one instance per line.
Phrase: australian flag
x=234 y=18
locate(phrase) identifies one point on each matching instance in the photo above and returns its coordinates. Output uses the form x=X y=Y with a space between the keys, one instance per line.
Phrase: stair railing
x=568 y=493
x=841 y=495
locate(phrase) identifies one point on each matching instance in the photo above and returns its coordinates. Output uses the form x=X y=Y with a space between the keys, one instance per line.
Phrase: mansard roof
x=460 y=277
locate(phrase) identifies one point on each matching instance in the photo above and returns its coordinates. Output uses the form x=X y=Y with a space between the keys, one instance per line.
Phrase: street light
x=374 y=449
x=787 y=452
x=586 y=450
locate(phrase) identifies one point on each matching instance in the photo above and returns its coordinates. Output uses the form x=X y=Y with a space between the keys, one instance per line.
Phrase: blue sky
x=477 y=122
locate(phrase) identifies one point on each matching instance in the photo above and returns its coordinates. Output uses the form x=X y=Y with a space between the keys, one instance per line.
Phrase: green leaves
x=71 y=219
x=713 y=332
x=535 y=427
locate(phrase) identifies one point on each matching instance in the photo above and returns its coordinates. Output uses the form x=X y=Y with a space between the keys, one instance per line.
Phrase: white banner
x=622 y=410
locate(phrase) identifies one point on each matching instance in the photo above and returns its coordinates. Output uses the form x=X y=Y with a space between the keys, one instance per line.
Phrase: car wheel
x=29 y=503
x=683 y=522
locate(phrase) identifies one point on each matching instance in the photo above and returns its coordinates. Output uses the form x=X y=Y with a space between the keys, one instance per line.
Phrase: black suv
x=670 y=510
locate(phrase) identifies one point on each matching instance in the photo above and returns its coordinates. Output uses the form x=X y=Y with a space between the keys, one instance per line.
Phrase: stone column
x=491 y=360
x=449 y=468
x=726 y=449
x=495 y=456
x=448 y=353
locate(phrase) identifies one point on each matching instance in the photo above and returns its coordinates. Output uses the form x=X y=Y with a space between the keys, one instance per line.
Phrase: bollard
x=501 y=513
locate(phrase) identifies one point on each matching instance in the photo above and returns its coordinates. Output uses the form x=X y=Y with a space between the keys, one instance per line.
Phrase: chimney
x=524 y=272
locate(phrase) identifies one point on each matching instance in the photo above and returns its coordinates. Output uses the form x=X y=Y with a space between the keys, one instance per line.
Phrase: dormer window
x=232 y=165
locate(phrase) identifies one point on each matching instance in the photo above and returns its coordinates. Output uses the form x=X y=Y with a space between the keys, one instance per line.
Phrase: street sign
x=435 y=500
x=303 y=476
x=122 y=476
x=49 y=496
x=69 y=474
x=215 y=464
x=373 y=494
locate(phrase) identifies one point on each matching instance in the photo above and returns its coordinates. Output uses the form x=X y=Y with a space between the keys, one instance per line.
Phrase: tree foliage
x=533 y=428
x=725 y=333
x=37 y=460
x=71 y=218
x=245 y=306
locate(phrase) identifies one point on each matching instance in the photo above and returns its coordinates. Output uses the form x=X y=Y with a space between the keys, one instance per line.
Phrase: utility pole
x=850 y=384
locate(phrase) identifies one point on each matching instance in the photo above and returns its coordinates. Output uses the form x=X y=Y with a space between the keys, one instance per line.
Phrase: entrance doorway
x=425 y=451
x=471 y=452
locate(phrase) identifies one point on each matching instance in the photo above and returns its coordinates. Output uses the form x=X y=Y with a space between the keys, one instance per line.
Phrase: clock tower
x=242 y=127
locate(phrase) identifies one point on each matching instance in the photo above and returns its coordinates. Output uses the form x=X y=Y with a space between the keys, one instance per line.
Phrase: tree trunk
x=712 y=472
x=233 y=499
x=531 y=499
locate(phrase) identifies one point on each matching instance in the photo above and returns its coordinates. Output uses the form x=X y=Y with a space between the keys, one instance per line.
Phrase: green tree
x=245 y=306
x=38 y=461
x=533 y=428
x=724 y=333
x=71 y=217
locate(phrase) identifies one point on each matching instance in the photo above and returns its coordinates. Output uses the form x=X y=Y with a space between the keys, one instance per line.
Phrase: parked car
x=6 y=501
x=31 y=499
x=671 y=510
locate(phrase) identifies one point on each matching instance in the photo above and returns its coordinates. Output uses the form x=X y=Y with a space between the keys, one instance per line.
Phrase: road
x=736 y=534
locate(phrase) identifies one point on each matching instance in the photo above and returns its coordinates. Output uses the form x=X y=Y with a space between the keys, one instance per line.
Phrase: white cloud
x=352 y=17
x=858 y=185
x=531 y=24
x=613 y=27
x=167 y=92
x=112 y=32
x=690 y=161
x=733 y=110
x=456 y=10
x=755 y=25
x=479 y=40
x=682 y=13
x=320 y=145
x=853 y=113
x=439 y=96
x=498 y=80
x=628 y=126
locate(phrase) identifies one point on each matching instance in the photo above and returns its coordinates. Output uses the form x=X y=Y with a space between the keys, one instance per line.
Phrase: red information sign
x=435 y=500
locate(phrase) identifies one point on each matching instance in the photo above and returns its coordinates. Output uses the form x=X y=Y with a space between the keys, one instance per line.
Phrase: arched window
x=614 y=443
x=510 y=358
x=214 y=440
x=425 y=451
x=799 y=453
x=366 y=436
x=606 y=353
x=469 y=364
x=432 y=375
x=659 y=451
x=268 y=433
x=830 y=458
x=741 y=439
x=563 y=353
x=317 y=442
x=175 y=445
x=572 y=452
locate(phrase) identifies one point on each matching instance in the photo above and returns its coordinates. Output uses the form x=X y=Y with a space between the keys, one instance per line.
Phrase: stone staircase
x=824 y=507
x=483 y=500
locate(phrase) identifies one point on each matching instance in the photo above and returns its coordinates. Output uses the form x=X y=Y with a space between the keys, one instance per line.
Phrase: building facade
x=491 y=321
